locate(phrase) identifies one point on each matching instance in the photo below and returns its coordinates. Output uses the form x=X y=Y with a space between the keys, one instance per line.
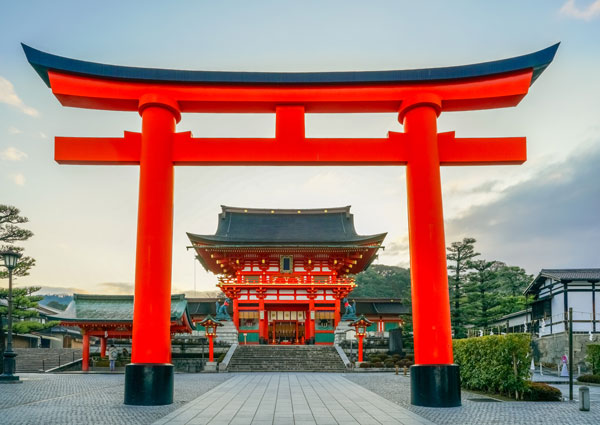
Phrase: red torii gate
x=419 y=96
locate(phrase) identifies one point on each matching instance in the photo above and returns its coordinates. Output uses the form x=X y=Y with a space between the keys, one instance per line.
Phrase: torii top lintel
x=478 y=86
x=496 y=84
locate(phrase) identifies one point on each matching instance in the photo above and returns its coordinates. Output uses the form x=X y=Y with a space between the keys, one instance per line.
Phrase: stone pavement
x=290 y=398
x=61 y=399
x=476 y=410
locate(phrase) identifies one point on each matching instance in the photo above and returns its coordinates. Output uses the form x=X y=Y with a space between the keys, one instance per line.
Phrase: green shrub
x=389 y=363
x=495 y=363
x=221 y=357
x=593 y=357
x=538 y=391
x=378 y=364
x=592 y=379
x=365 y=365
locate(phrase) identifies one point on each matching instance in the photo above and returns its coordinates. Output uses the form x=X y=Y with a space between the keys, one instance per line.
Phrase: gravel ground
x=90 y=399
x=397 y=389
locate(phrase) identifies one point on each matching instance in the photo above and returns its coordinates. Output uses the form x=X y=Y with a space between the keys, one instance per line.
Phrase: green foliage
x=459 y=255
x=494 y=364
x=539 y=391
x=482 y=291
x=593 y=357
x=24 y=309
x=11 y=232
x=592 y=379
x=380 y=281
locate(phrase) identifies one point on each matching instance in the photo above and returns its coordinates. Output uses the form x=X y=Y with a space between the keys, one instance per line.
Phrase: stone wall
x=551 y=348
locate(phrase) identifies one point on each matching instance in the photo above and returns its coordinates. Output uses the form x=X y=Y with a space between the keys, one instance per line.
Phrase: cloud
x=18 y=179
x=9 y=96
x=12 y=154
x=587 y=13
x=13 y=130
x=117 y=288
x=551 y=220
x=59 y=290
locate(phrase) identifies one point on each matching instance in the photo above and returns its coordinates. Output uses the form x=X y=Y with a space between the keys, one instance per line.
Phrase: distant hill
x=58 y=302
x=380 y=281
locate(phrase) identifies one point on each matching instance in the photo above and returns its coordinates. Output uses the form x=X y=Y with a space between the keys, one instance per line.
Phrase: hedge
x=539 y=391
x=495 y=363
x=593 y=357
x=592 y=379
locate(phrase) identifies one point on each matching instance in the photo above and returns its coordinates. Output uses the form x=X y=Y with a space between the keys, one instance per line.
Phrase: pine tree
x=11 y=232
x=482 y=291
x=459 y=255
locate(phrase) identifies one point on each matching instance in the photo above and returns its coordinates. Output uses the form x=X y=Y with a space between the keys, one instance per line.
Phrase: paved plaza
x=267 y=398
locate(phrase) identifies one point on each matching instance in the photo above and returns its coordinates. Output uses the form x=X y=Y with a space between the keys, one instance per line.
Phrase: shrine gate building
x=286 y=271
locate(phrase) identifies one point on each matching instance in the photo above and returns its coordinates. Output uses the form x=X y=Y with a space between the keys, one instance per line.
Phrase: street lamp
x=210 y=325
x=11 y=258
x=361 y=325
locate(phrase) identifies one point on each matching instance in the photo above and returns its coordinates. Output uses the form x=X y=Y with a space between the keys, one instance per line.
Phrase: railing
x=61 y=358
x=583 y=322
x=287 y=280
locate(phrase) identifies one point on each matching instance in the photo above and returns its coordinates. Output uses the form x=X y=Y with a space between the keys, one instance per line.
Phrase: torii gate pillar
x=435 y=379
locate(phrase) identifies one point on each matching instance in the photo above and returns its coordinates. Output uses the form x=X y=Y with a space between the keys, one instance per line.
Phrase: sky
x=542 y=214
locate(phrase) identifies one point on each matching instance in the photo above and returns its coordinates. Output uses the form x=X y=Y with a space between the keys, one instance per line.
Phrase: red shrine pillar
x=360 y=348
x=236 y=313
x=434 y=378
x=85 y=354
x=311 y=322
x=262 y=320
x=337 y=313
x=149 y=378
x=103 y=347
x=211 y=348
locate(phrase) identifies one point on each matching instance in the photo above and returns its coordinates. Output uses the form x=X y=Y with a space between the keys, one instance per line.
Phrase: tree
x=380 y=281
x=459 y=255
x=11 y=232
x=512 y=281
x=482 y=291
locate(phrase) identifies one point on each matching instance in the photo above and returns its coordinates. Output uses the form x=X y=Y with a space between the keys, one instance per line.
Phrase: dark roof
x=43 y=62
x=378 y=306
x=204 y=306
x=251 y=226
x=563 y=275
x=111 y=308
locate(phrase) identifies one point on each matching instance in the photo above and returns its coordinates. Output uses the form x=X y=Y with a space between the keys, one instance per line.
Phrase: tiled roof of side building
x=563 y=275
x=111 y=308
x=286 y=227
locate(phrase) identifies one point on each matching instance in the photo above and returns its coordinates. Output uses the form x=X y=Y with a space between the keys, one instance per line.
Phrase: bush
x=495 y=363
x=378 y=364
x=405 y=362
x=221 y=357
x=389 y=363
x=593 y=357
x=538 y=391
x=592 y=379
x=365 y=365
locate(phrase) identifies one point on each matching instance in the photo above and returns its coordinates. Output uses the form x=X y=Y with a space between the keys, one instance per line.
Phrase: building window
x=286 y=264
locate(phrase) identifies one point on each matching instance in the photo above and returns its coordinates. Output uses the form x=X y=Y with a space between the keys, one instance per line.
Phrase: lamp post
x=210 y=325
x=361 y=325
x=11 y=259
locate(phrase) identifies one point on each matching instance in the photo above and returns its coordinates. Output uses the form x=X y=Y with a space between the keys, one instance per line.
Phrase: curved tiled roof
x=563 y=275
x=333 y=226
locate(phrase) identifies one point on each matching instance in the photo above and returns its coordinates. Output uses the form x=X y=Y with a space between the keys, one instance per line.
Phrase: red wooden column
x=85 y=354
x=236 y=313
x=360 y=347
x=211 y=348
x=433 y=375
x=262 y=320
x=151 y=346
x=103 y=346
x=337 y=313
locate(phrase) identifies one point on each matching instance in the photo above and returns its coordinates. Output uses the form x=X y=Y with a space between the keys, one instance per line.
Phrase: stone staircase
x=293 y=358
x=43 y=359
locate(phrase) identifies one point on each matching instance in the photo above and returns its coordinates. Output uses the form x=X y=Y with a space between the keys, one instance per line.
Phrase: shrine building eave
x=44 y=62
